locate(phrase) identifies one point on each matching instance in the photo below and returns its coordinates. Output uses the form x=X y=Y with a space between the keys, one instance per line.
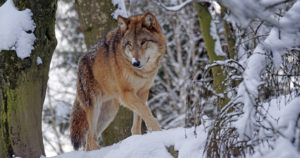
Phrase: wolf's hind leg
x=108 y=112
x=93 y=114
x=92 y=142
x=136 y=125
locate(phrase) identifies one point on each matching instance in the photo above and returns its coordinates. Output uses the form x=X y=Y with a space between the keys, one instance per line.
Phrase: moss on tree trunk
x=218 y=74
x=23 y=86
x=96 y=20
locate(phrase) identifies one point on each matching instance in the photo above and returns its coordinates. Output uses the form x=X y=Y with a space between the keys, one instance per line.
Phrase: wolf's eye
x=143 y=42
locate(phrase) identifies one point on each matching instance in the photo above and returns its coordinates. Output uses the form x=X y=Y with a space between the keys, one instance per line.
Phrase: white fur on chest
x=135 y=82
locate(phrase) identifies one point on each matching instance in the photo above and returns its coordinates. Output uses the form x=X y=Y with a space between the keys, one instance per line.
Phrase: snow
x=290 y=114
x=191 y=145
x=121 y=10
x=215 y=36
x=151 y=145
x=39 y=60
x=283 y=117
x=279 y=37
x=244 y=11
x=276 y=45
x=16 y=29
x=177 y=7
x=283 y=149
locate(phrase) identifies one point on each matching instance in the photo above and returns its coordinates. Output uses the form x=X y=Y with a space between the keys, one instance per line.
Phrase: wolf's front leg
x=136 y=104
x=136 y=124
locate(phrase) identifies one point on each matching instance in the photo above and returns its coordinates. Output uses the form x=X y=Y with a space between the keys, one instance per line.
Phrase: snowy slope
x=151 y=145
x=282 y=116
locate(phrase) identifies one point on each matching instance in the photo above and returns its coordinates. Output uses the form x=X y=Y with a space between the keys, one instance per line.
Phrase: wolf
x=119 y=69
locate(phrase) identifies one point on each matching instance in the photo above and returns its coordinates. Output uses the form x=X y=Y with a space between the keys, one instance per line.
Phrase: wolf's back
x=79 y=125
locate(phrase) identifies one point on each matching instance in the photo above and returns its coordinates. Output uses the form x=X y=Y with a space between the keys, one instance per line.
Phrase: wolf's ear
x=149 y=21
x=123 y=23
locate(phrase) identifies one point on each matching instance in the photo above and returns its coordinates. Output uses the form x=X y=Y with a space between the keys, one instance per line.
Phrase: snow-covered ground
x=151 y=145
x=280 y=114
x=190 y=145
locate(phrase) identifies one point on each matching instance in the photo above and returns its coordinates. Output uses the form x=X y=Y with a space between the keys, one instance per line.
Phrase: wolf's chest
x=137 y=82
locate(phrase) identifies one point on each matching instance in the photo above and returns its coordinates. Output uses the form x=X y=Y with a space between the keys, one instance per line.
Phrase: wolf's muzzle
x=136 y=63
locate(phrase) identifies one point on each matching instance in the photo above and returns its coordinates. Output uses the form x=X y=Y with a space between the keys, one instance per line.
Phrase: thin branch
x=53 y=124
x=277 y=3
x=173 y=8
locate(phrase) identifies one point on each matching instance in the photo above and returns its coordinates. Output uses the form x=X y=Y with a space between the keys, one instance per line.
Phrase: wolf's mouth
x=141 y=66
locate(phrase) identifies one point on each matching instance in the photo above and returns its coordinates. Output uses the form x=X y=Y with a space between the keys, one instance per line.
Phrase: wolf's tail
x=79 y=125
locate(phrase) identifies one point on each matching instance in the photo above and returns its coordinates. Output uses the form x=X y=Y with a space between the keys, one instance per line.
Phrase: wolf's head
x=142 y=39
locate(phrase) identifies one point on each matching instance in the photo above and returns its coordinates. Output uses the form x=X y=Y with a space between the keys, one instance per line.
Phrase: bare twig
x=173 y=8
x=277 y=3
x=53 y=124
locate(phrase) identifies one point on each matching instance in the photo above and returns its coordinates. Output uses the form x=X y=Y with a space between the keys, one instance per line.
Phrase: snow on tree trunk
x=23 y=85
x=96 y=20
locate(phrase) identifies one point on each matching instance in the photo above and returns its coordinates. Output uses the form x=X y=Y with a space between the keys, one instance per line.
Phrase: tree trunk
x=218 y=74
x=96 y=20
x=23 y=86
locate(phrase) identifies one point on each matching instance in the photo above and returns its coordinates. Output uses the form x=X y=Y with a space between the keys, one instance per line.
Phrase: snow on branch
x=274 y=46
x=215 y=36
x=16 y=29
x=227 y=63
x=174 y=8
x=245 y=11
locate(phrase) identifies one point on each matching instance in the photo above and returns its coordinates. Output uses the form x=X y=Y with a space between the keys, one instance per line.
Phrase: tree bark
x=96 y=20
x=23 y=86
x=218 y=74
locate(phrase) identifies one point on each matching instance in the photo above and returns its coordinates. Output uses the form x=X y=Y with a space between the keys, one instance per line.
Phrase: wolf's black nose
x=136 y=63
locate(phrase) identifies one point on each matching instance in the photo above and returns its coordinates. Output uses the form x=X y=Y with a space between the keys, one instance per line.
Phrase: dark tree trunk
x=96 y=20
x=23 y=86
